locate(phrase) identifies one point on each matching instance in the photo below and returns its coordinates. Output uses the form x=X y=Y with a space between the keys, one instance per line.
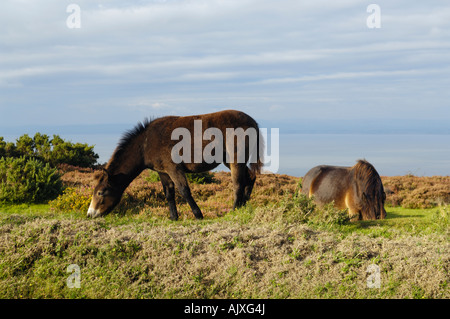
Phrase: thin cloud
x=296 y=58
x=354 y=75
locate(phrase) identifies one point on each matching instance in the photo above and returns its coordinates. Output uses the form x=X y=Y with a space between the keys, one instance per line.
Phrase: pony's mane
x=366 y=175
x=128 y=137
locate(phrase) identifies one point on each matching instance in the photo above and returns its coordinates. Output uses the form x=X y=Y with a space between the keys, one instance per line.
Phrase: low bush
x=299 y=208
x=201 y=178
x=29 y=180
x=79 y=199
x=50 y=150
x=152 y=177
x=330 y=216
x=293 y=208
x=72 y=199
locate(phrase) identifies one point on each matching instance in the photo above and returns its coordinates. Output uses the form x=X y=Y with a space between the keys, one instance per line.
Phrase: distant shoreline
x=392 y=154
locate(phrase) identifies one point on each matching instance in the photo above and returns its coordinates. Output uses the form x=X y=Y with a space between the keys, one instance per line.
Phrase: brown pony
x=358 y=188
x=151 y=145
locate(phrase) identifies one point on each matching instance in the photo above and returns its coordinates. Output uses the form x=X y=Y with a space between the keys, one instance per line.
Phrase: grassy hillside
x=268 y=249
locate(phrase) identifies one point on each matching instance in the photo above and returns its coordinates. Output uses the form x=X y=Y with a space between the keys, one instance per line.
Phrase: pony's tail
x=258 y=151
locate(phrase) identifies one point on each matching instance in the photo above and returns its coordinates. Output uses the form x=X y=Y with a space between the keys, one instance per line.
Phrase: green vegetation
x=293 y=208
x=27 y=180
x=404 y=221
x=53 y=151
x=28 y=172
x=201 y=178
x=143 y=256
x=72 y=199
x=280 y=245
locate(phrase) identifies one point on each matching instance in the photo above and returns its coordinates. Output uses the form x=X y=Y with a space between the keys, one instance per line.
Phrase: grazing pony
x=156 y=145
x=358 y=188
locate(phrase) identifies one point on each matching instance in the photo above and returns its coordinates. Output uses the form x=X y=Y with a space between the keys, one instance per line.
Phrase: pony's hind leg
x=169 y=191
x=249 y=183
x=179 y=178
x=238 y=177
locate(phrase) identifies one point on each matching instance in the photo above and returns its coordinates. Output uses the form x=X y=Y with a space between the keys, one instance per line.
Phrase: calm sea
x=391 y=154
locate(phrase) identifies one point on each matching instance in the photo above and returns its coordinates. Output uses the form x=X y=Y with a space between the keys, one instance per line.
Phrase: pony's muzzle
x=92 y=212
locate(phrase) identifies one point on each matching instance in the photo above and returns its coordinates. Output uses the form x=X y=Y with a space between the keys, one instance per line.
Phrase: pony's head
x=106 y=194
x=373 y=204
x=371 y=191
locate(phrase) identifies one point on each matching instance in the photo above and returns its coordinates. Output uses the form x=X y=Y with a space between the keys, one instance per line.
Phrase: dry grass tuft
x=215 y=260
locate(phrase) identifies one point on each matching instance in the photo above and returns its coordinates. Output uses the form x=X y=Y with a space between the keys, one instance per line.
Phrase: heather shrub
x=194 y=178
x=417 y=192
x=27 y=180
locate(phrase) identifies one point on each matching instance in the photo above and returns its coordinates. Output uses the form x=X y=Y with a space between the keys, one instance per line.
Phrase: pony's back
x=325 y=182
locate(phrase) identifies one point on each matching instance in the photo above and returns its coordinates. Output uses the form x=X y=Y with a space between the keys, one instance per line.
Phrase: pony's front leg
x=181 y=184
x=353 y=215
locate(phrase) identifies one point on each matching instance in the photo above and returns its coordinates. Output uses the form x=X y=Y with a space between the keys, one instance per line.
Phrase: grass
x=271 y=248
x=402 y=221
x=132 y=257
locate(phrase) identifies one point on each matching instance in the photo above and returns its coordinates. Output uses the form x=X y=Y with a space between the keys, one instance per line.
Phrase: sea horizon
x=424 y=152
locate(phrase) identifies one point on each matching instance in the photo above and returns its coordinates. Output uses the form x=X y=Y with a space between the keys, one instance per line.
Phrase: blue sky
x=276 y=60
x=288 y=63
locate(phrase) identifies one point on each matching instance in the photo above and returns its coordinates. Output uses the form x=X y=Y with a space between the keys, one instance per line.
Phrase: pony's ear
x=101 y=174
x=105 y=171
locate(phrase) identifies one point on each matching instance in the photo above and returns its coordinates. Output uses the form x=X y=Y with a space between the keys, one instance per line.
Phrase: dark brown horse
x=157 y=145
x=358 y=188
